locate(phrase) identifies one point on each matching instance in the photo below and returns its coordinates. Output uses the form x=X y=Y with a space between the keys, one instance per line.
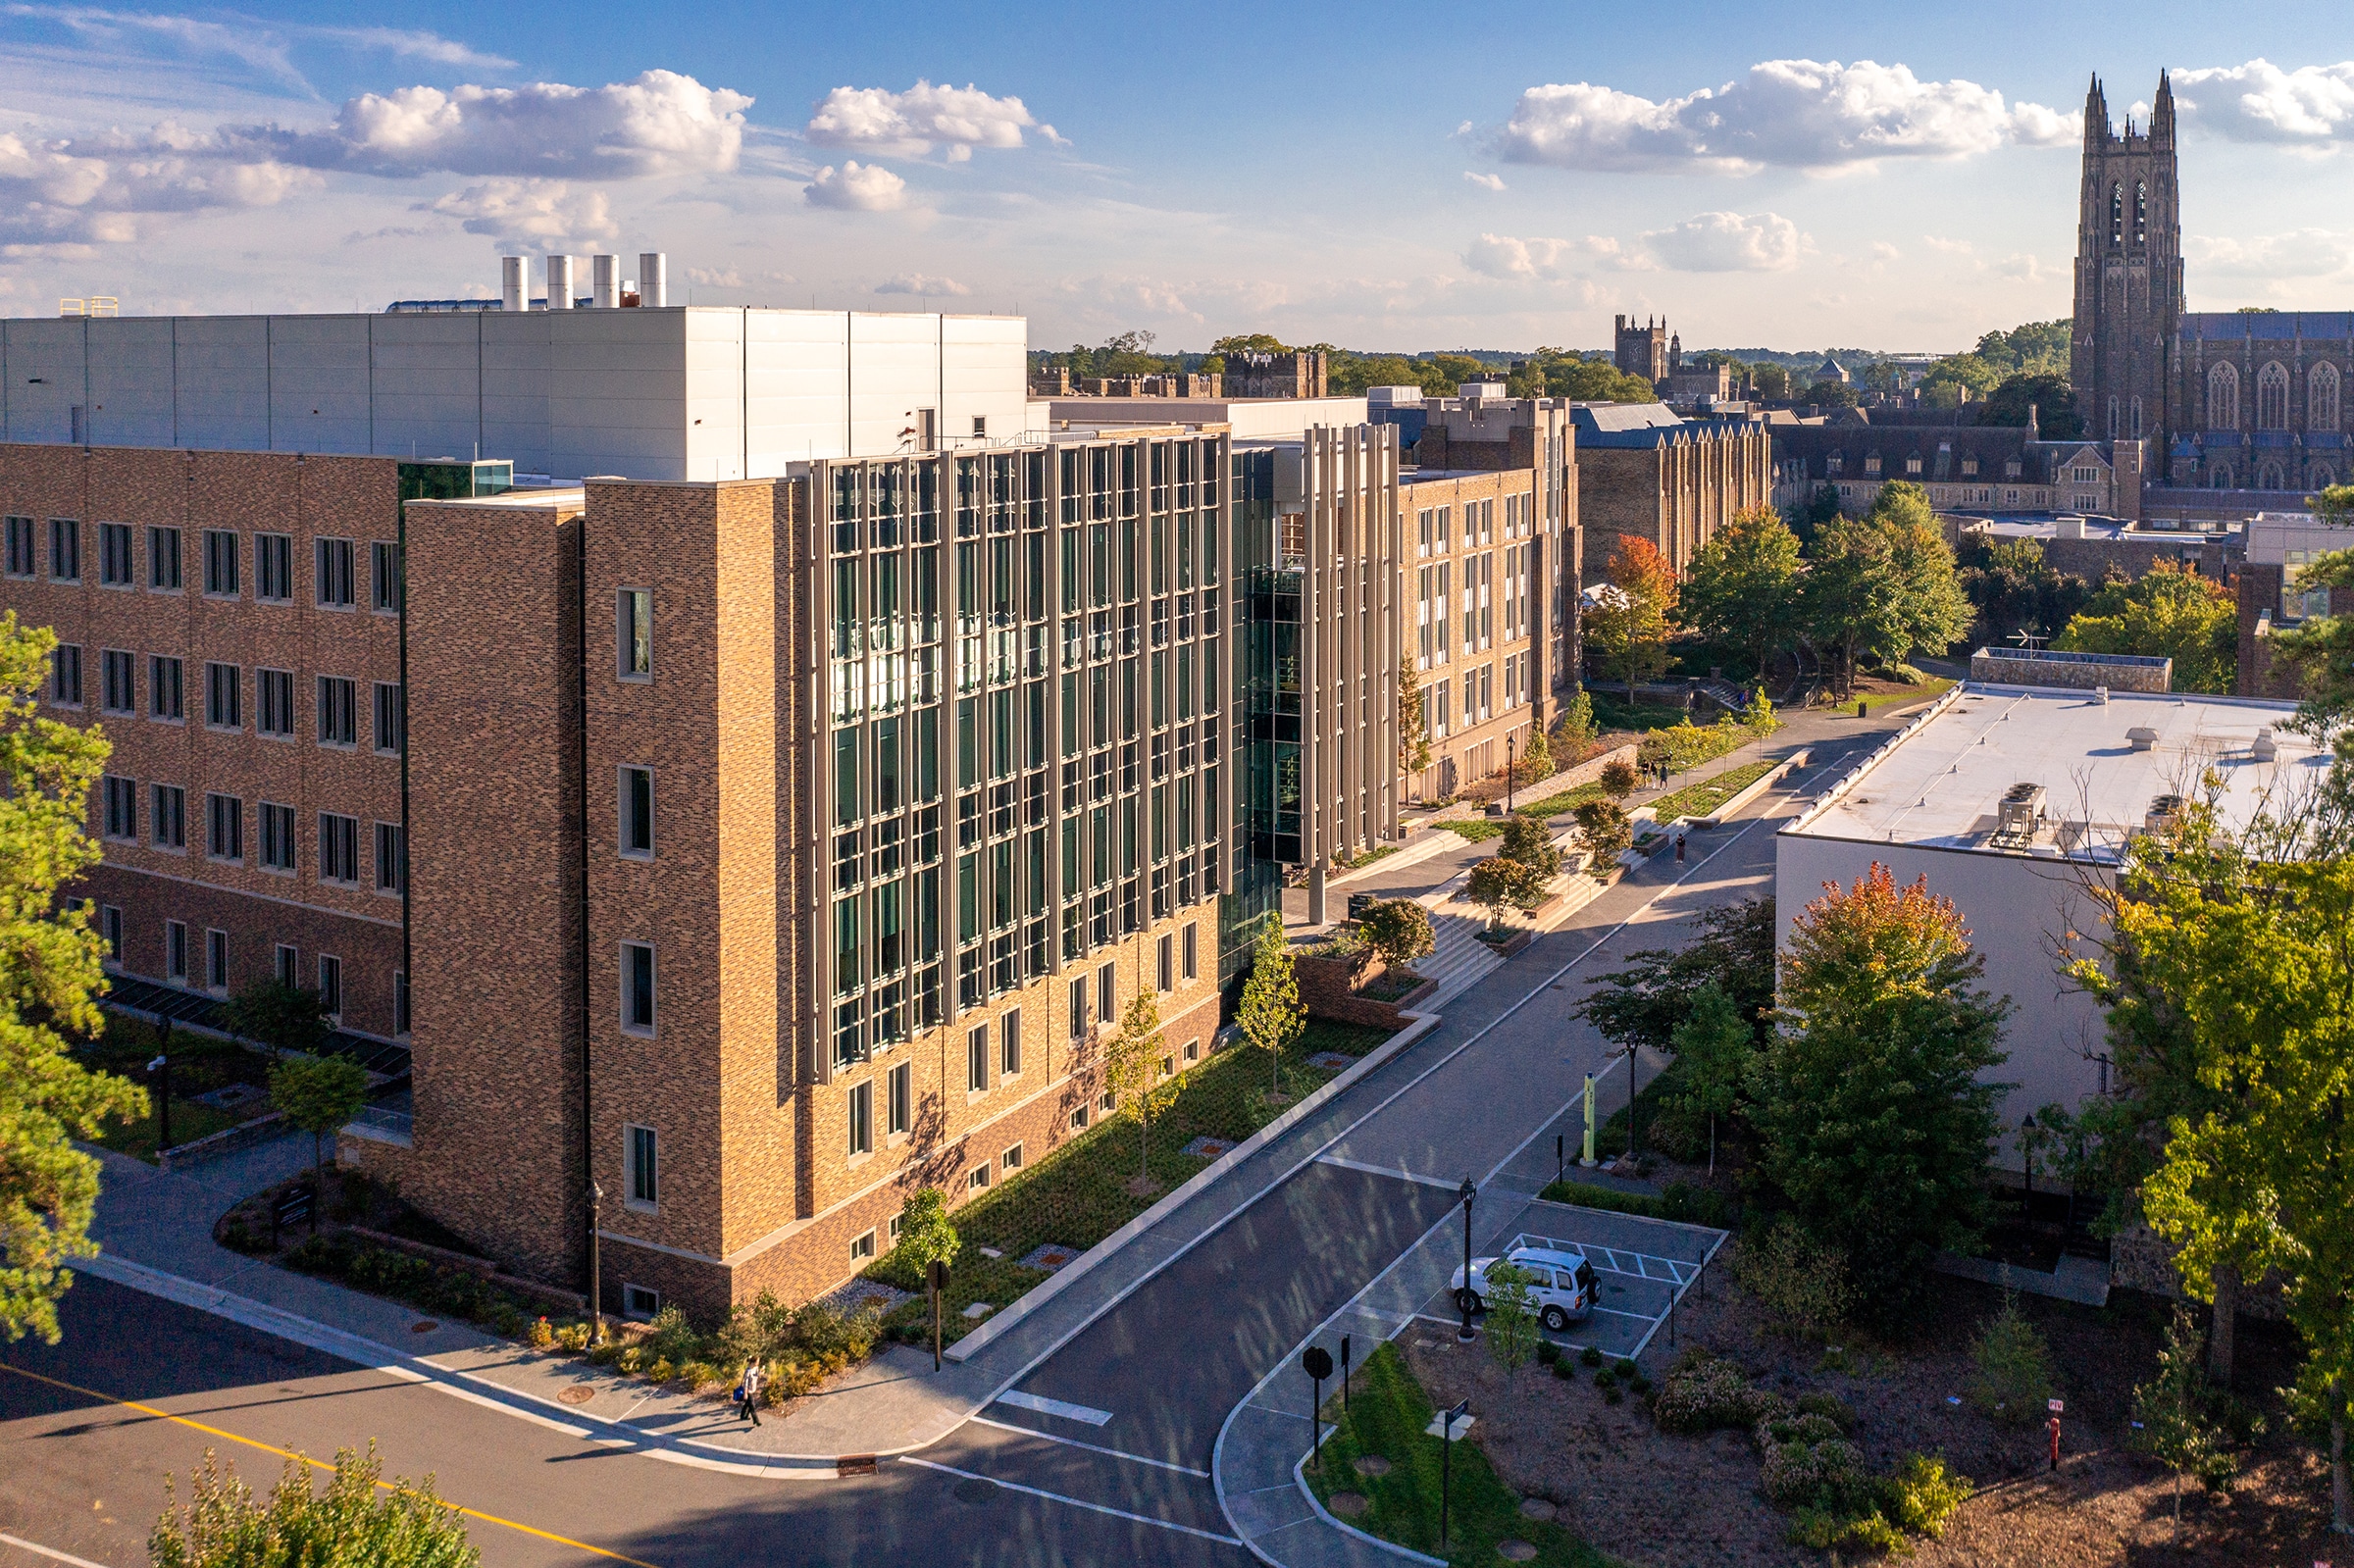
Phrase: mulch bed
x=1664 y=1501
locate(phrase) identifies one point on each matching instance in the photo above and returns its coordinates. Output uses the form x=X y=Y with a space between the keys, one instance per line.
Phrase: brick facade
x=1675 y=488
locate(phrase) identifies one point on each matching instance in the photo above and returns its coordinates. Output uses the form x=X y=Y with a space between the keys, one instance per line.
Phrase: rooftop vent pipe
x=559 y=281
x=604 y=282
x=653 y=278
x=514 y=283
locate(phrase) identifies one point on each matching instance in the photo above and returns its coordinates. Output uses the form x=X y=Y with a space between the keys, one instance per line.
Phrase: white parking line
x=1090 y=1447
x=49 y=1552
x=1055 y=1407
x=1076 y=1502
x=1383 y=1170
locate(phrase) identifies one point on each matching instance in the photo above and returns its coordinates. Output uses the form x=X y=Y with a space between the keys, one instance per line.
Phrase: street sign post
x=2053 y=1405
x=1316 y=1362
x=1344 y=1374
x=1448 y=1426
x=938 y=1279
x=293 y=1208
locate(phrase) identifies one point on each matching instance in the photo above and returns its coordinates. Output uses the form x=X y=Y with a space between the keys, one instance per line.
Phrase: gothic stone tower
x=1641 y=350
x=2129 y=271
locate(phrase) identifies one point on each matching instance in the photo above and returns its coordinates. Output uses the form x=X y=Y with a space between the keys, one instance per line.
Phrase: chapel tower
x=2129 y=271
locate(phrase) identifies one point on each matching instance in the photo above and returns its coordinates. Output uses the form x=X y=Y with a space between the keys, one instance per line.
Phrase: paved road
x=79 y=1473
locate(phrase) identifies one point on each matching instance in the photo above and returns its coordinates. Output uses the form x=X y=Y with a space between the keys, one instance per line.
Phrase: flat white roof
x=1939 y=782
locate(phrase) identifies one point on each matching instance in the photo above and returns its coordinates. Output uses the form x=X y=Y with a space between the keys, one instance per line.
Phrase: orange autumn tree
x=1873 y=1121
x=1628 y=624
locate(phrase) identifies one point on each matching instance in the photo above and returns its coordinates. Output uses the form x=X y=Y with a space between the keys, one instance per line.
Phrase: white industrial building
x=647 y=392
x=2009 y=799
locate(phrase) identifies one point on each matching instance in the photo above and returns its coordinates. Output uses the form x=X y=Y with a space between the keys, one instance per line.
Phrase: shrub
x=359 y=1518
x=1549 y=1354
x=661 y=1371
x=1625 y=1369
x=1801 y=1284
x=1618 y=780
x=1830 y=1407
x=1807 y=1428
x=1922 y=1495
x=1829 y=1474
x=1703 y=1393
x=1825 y=1528
x=2014 y=1367
x=1590 y=1356
x=1399 y=930
x=573 y=1337
x=699 y=1375
x=542 y=1336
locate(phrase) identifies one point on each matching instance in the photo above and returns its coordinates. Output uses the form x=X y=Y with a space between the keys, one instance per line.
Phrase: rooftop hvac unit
x=2266 y=748
x=2142 y=737
x=2019 y=814
x=2165 y=811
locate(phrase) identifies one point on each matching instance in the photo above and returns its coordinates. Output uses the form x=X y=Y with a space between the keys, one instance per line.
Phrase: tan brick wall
x=1471 y=751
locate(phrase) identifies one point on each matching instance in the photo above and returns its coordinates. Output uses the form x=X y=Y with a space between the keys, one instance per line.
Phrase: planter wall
x=1327 y=989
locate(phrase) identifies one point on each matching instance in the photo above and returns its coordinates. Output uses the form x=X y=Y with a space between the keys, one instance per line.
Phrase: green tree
x=1400 y=931
x=1535 y=760
x=1742 y=588
x=2034 y=348
x=283 y=1017
x=2012 y=1372
x=2165 y=613
x=1530 y=842
x=1511 y=1319
x=1249 y=343
x=1772 y=382
x=2175 y=1411
x=1882 y=585
x=358 y=1519
x=1269 y=1013
x=2319 y=654
x=319 y=1094
x=1716 y=1049
x=1829 y=394
x=1618 y=779
x=1872 y=1119
x=1132 y=1071
x=1496 y=885
x=48 y=980
x=1573 y=731
x=1413 y=731
x=927 y=1236
x=1603 y=826
x=2051 y=397
x=2014 y=588
x=1628 y=624
x=1965 y=370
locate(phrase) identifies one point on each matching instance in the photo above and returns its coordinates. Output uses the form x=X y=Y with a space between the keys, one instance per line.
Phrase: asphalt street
x=81 y=1473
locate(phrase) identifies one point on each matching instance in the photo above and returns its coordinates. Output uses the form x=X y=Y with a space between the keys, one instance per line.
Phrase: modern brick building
x=1643 y=472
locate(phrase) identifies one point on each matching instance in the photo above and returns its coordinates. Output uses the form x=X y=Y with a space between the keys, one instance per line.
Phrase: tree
x=2165 y=613
x=927 y=1236
x=319 y=1094
x=1618 y=778
x=1584 y=377
x=1413 y=731
x=1829 y=394
x=2320 y=653
x=2049 y=395
x=359 y=1518
x=1247 y=343
x=50 y=974
x=1881 y=585
x=2014 y=589
x=1400 y=931
x=2175 y=1411
x=1535 y=760
x=1742 y=590
x=1772 y=382
x=1573 y=731
x=1269 y=1013
x=1511 y=1315
x=283 y=1017
x=2035 y=348
x=1628 y=624
x=1966 y=371
x=1871 y=1118
x=1496 y=885
x=1530 y=842
x=1715 y=1048
x=1132 y=1071
x=1603 y=826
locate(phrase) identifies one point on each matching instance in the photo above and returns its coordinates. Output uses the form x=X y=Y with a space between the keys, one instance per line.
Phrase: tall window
x=21 y=562
x=164 y=698
x=2117 y=215
x=2141 y=213
x=1193 y=950
x=274 y=702
x=1107 y=992
x=976 y=1059
x=275 y=830
x=902 y=1101
x=1165 y=966
x=122 y=807
x=638 y=813
x=331 y=986
x=338 y=724
x=65 y=550
x=339 y=847
x=163 y=558
x=175 y=951
x=634 y=635
x=391 y=730
x=285 y=962
x=637 y=988
x=114 y=555
x=2222 y=399
x=216 y=960
x=643 y=1189
x=224 y=826
x=65 y=676
x=383 y=575
x=273 y=568
x=221 y=563
x=391 y=858
x=1078 y=1008
x=332 y=564
x=223 y=709
x=2321 y=398
x=2272 y=397
x=167 y=817
x=1009 y=1044
x=862 y=1118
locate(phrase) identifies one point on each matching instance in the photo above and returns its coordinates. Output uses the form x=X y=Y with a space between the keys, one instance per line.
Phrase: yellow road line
x=316 y=1464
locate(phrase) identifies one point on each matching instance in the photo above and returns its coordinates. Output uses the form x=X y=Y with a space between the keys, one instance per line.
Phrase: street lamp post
x=1509 y=748
x=2027 y=1150
x=1466 y=1192
x=161 y=1066
x=597 y=1293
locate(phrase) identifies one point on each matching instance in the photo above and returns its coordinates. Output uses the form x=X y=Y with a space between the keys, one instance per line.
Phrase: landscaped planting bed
x=1081 y=1192
x=1703 y=799
x=200 y=1065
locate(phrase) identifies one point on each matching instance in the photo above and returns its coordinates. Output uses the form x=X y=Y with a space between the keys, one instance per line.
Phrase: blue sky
x=1403 y=176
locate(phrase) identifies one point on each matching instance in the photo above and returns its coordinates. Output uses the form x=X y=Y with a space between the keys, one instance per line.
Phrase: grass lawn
x=1875 y=702
x=1611 y=712
x=1565 y=800
x=1702 y=798
x=1387 y=1414
x=1078 y=1194
x=200 y=1064
x=1380 y=852
x=1479 y=830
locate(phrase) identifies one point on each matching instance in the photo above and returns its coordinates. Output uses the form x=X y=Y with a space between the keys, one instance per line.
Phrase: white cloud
x=2021 y=268
x=857 y=187
x=65 y=193
x=922 y=284
x=1487 y=181
x=2309 y=106
x=1952 y=247
x=528 y=213
x=715 y=278
x=1727 y=242
x=265 y=48
x=2299 y=253
x=1547 y=260
x=907 y=124
x=1800 y=114
x=1881 y=250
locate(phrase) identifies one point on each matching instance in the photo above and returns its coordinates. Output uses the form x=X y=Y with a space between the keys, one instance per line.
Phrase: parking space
x=1643 y=1267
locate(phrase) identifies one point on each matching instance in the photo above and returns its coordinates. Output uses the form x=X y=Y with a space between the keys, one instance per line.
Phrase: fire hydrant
x=2055 y=1425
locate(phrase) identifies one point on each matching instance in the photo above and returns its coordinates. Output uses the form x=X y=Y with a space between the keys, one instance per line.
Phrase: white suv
x=1562 y=1283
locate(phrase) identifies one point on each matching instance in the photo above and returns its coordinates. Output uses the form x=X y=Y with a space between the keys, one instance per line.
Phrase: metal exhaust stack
x=604 y=282
x=654 y=278
x=514 y=283
x=559 y=283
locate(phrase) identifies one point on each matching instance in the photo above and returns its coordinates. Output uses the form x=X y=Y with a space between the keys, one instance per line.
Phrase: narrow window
x=339 y=847
x=903 y=1099
x=164 y=695
x=634 y=637
x=21 y=562
x=65 y=676
x=163 y=558
x=862 y=1118
x=338 y=723
x=114 y=555
x=110 y=928
x=1078 y=1009
x=65 y=550
x=391 y=858
x=638 y=813
x=276 y=830
x=167 y=817
x=644 y=1186
x=1107 y=992
x=223 y=690
x=274 y=702
x=637 y=988
x=221 y=563
x=383 y=575
x=224 y=826
x=120 y=694
x=391 y=718
x=287 y=963
x=273 y=568
x=332 y=563
x=1166 y=969
x=216 y=960
x=1009 y=1044
x=331 y=986
x=976 y=1059
x=122 y=807
x=175 y=953
x=1193 y=951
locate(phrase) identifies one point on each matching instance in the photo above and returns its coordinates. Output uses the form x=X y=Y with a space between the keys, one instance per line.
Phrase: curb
x=1046 y=1291
x=1433 y=838
x=1754 y=788
x=1299 y=1480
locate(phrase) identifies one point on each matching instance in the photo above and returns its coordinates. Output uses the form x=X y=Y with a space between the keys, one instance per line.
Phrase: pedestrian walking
x=748 y=1390
x=1679 y=849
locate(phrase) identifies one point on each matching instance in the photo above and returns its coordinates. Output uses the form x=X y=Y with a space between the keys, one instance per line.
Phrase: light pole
x=161 y=1066
x=2027 y=1150
x=1509 y=748
x=597 y=1293
x=1466 y=1192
